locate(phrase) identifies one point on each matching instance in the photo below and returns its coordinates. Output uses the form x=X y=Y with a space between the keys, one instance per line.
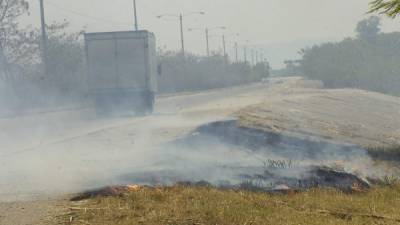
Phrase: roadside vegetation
x=201 y=73
x=23 y=83
x=182 y=205
x=369 y=61
x=391 y=8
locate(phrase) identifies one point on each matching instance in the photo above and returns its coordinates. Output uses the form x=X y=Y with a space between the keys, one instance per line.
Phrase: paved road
x=50 y=154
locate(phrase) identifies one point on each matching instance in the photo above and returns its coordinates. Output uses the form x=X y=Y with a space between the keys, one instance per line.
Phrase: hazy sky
x=267 y=23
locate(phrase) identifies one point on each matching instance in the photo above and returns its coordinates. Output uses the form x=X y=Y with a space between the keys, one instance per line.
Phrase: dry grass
x=181 y=205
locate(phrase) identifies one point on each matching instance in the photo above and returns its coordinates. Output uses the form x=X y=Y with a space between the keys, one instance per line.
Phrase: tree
x=66 y=57
x=10 y=11
x=390 y=8
x=204 y=73
x=355 y=63
x=369 y=29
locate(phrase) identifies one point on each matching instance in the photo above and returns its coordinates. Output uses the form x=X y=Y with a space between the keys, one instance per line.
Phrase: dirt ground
x=31 y=213
x=300 y=108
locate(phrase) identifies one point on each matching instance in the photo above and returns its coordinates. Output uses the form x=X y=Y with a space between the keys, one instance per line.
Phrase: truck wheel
x=150 y=103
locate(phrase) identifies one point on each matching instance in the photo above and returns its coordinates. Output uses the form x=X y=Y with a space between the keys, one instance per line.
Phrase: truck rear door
x=131 y=63
x=102 y=64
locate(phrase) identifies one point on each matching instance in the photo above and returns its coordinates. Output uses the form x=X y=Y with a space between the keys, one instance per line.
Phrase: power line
x=87 y=16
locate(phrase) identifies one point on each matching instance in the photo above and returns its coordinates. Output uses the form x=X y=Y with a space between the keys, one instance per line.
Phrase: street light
x=245 y=50
x=252 y=56
x=180 y=17
x=224 y=42
x=207 y=32
x=208 y=37
x=257 y=57
x=224 y=36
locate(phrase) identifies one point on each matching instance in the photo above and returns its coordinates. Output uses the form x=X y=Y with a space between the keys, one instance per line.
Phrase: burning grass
x=184 y=205
x=284 y=192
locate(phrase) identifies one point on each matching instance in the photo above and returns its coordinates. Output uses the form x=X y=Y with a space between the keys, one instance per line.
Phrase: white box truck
x=122 y=71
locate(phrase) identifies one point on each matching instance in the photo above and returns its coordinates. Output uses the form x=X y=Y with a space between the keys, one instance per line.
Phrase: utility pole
x=135 y=13
x=182 y=37
x=236 y=52
x=245 y=54
x=224 y=45
x=256 y=57
x=208 y=42
x=207 y=38
x=44 y=39
x=224 y=49
x=252 y=56
x=180 y=17
x=2 y=64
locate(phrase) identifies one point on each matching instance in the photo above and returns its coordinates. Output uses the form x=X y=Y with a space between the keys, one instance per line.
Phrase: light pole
x=236 y=52
x=208 y=36
x=44 y=39
x=245 y=50
x=224 y=45
x=207 y=32
x=207 y=42
x=180 y=17
x=262 y=57
x=224 y=42
x=245 y=53
x=182 y=36
x=252 y=56
x=135 y=14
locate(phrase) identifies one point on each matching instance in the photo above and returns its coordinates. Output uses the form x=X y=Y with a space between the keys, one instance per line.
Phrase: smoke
x=65 y=152
x=207 y=157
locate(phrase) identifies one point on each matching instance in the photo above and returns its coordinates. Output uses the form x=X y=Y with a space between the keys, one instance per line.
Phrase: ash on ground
x=224 y=155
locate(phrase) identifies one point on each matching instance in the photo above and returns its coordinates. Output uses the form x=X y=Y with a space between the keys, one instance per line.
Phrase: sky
x=276 y=28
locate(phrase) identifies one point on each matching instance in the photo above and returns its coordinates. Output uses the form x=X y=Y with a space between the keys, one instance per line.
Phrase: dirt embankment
x=33 y=212
x=300 y=108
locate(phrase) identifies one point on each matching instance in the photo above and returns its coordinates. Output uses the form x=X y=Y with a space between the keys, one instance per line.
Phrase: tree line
x=369 y=61
x=196 y=72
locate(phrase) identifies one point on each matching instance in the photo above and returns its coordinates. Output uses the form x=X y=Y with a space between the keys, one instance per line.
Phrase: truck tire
x=147 y=106
x=150 y=103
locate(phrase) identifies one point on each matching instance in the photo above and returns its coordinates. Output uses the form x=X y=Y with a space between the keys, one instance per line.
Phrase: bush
x=200 y=73
x=368 y=63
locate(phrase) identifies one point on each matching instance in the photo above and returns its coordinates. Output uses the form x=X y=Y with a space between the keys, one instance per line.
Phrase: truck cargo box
x=122 y=71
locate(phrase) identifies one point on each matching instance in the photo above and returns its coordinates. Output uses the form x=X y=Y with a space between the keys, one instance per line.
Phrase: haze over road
x=53 y=153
